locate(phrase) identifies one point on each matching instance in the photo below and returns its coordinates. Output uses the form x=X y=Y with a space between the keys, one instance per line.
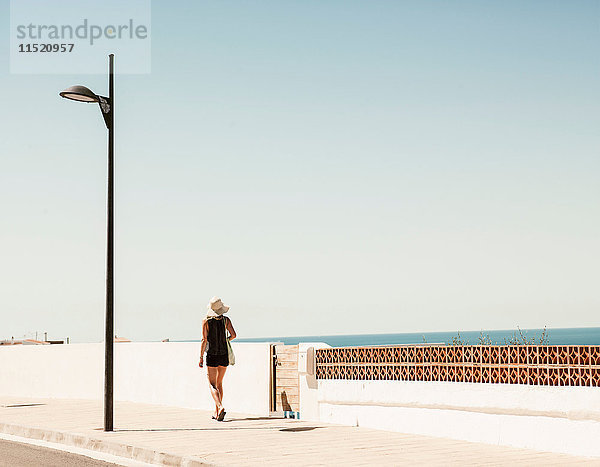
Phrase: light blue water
x=556 y=336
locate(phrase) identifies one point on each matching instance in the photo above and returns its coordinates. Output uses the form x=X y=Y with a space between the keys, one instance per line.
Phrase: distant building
x=24 y=342
x=10 y=342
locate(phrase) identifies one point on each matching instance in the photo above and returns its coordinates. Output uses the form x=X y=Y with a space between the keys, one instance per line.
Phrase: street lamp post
x=83 y=94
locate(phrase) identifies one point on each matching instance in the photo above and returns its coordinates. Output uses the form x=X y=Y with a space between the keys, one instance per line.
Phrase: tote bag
x=230 y=354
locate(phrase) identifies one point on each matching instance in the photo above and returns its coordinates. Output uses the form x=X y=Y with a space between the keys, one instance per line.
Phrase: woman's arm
x=204 y=342
x=229 y=326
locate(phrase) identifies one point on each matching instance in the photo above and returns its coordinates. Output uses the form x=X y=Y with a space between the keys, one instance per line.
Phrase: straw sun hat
x=216 y=308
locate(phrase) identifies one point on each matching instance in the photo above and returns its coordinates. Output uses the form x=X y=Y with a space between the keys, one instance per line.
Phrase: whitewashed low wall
x=165 y=373
x=555 y=419
x=62 y=371
x=573 y=403
x=558 y=419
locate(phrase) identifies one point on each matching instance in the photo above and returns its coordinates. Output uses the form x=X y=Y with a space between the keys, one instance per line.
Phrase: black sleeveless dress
x=217 y=353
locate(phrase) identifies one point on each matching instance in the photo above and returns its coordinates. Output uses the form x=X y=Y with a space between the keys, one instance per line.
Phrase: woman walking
x=217 y=359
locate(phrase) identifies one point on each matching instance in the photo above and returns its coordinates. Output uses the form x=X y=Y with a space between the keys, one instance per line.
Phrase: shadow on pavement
x=251 y=419
x=19 y=405
x=301 y=428
x=280 y=428
x=219 y=426
x=222 y=426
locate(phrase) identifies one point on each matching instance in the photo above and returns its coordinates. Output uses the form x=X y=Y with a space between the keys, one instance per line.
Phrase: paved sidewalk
x=177 y=436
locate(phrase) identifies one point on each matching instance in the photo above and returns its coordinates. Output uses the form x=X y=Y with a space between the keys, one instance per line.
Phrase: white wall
x=575 y=403
x=556 y=419
x=164 y=373
x=559 y=419
x=308 y=384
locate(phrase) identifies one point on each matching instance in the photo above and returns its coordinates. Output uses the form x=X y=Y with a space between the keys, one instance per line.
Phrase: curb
x=127 y=451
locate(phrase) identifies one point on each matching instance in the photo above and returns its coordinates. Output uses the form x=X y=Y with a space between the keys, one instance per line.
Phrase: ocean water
x=555 y=336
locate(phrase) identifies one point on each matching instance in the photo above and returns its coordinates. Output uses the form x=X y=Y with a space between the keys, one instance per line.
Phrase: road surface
x=25 y=455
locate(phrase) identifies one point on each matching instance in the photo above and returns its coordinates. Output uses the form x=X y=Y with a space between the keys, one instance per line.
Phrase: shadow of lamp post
x=83 y=94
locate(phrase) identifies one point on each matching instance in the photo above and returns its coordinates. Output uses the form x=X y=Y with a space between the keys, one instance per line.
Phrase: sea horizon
x=554 y=336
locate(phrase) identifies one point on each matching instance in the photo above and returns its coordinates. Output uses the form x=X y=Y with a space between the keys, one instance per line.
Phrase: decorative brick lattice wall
x=551 y=365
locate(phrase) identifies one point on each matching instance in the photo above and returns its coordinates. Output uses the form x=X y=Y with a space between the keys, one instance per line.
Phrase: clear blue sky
x=325 y=167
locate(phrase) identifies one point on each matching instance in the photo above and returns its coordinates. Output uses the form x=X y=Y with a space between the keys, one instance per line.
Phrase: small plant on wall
x=522 y=339
x=484 y=339
x=458 y=340
x=518 y=338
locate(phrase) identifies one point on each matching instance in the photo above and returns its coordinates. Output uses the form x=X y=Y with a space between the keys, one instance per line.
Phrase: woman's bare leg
x=212 y=373
x=220 y=375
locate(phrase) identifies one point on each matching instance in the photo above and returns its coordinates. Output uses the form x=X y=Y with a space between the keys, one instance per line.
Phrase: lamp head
x=79 y=93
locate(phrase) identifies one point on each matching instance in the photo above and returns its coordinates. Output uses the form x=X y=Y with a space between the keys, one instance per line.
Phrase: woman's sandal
x=221 y=415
